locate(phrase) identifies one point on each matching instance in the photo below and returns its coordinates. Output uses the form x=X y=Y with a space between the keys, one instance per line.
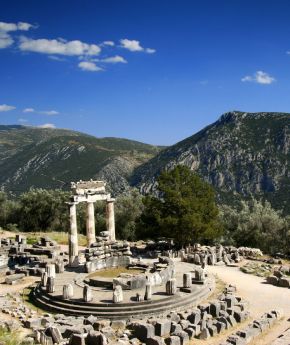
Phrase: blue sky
x=155 y=71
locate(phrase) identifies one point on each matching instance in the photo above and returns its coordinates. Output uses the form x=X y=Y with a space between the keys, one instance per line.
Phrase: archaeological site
x=122 y=293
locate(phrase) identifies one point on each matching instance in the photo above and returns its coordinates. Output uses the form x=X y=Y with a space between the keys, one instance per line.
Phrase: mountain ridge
x=242 y=154
x=51 y=158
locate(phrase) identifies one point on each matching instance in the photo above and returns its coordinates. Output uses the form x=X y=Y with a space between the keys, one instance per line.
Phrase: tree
x=256 y=224
x=129 y=207
x=43 y=210
x=8 y=211
x=186 y=209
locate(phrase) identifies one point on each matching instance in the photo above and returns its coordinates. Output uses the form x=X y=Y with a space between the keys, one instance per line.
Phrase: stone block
x=155 y=341
x=175 y=327
x=108 y=332
x=78 y=339
x=212 y=330
x=98 y=325
x=118 y=324
x=230 y=300
x=194 y=317
x=32 y=323
x=173 y=340
x=96 y=338
x=236 y=340
x=231 y=320
x=184 y=338
x=143 y=331
x=184 y=323
x=273 y=280
x=204 y=334
x=163 y=327
x=284 y=282
x=224 y=320
x=173 y=317
x=54 y=333
x=214 y=308
x=196 y=329
x=190 y=331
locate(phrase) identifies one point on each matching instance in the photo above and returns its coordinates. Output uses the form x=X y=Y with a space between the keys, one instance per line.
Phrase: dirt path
x=262 y=298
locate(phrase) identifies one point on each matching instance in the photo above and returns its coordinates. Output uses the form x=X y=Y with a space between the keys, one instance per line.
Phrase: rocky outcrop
x=242 y=154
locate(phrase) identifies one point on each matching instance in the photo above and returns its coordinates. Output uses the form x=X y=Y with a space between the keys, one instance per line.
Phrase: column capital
x=111 y=200
x=71 y=203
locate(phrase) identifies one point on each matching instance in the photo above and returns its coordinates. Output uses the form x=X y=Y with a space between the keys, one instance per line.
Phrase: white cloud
x=49 y=112
x=89 y=66
x=8 y=27
x=109 y=43
x=5 y=107
x=5 y=40
x=259 y=77
x=58 y=47
x=114 y=59
x=56 y=58
x=150 y=50
x=28 y=110
x=135 y=46
x=47 y=125
x=22 y=120
x=132 y=45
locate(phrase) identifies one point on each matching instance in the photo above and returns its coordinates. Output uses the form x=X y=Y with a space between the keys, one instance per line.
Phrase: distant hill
x=52 y=158
x=241 y=155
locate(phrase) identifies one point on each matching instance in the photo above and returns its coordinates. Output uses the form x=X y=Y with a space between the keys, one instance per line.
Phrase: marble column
x=73 y=237
x=110 y=219
x=91 y=232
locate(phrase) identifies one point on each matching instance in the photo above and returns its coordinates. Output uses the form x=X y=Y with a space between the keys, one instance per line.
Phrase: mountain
x=52 y=158
x=241 y=155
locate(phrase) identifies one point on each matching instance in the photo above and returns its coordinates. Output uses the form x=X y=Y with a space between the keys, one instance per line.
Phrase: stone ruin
x=217 y=255
x=159 y=306
x=280 y=277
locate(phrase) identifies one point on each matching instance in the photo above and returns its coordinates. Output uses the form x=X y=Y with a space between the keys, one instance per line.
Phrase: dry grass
x=59 y=237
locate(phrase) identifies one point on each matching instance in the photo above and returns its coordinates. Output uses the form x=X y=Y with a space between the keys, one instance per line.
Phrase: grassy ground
x=32 y=237
x=114 y=272
x=59 y=237
x=11 y=338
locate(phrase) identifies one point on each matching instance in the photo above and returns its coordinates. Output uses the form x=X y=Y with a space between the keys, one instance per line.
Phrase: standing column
x=73 y=236
x=110 y=219
x=91 y=232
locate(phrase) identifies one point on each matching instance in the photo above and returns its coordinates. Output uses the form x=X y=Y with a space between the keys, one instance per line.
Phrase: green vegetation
x=257 y=269
x=186 y=210
x=39 y=211
x=51 y=158
x=11 y=338
x=256 y=224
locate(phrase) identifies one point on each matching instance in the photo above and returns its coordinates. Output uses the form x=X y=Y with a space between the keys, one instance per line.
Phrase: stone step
x=117 y=312
x=120 y=306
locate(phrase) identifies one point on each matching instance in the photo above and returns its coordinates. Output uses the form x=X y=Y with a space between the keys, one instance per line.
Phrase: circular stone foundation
x=105 y=277
x=102 y=305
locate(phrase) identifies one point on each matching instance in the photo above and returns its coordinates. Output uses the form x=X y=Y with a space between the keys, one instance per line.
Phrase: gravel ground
x=262 y=298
